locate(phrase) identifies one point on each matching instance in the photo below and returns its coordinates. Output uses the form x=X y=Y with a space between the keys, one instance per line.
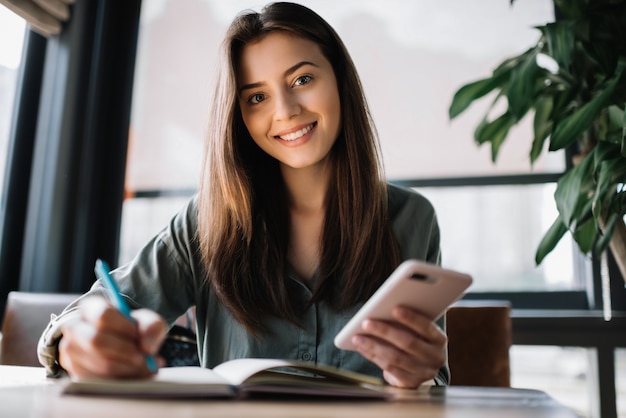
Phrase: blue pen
x=102 y=272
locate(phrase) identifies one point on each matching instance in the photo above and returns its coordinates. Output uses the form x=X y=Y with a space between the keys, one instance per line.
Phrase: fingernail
x=369 y=325
x=358 y=340
x=149 y=343
x=400 y=312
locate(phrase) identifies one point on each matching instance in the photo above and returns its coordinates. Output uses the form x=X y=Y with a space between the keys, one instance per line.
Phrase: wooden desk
x=26 y=393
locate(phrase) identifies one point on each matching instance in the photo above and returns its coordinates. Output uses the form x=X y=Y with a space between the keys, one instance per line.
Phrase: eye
x=256 y=98
x=302 y=80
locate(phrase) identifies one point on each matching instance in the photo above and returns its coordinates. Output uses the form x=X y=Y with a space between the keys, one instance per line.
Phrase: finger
x=410 y=375
x=87 y=353
x=405 y=340
x=78 y=363
x=402 y=379
x=388 y=355
x=104 y=317
x=104 y=342
x=420 y=324
x=118 y=336
x=152 y=330
x=383 y=354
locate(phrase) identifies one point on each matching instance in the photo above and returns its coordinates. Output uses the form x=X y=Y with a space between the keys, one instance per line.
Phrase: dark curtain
x=64 y=185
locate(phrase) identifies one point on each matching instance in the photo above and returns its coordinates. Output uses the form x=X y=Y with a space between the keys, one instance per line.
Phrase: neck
x=306 y=188
x=307 y=194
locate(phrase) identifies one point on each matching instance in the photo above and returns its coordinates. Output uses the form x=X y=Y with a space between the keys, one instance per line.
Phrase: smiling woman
x=289 y=101
x=294 y=226
x=411 y=57
x=290 y=96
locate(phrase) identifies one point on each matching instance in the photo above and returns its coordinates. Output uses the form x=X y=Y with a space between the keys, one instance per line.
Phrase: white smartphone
x=426 y=287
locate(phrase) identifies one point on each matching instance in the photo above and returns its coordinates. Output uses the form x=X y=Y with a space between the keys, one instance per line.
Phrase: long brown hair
x=242 y=201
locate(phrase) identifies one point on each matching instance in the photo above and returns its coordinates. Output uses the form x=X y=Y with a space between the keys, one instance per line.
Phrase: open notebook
x=239 y=378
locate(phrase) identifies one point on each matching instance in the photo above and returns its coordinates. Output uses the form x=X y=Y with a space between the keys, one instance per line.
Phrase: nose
x=287 y=105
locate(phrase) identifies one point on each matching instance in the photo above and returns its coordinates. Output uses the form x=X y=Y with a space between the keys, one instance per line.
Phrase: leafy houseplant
x=579 y=104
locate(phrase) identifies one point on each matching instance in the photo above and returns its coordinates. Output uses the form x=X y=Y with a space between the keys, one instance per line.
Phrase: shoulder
x=414 y=223
x=165 y=274
x=184 y=223
x=403 y=201
x=176 y=245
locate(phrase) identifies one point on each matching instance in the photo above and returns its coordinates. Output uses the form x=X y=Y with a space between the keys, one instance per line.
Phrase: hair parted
x=242 y=199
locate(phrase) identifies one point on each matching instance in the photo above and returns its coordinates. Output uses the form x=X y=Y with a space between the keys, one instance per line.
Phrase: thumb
x=152 y=330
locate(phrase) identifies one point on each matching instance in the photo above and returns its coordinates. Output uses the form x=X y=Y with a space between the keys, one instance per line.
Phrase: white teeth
x=295 y=135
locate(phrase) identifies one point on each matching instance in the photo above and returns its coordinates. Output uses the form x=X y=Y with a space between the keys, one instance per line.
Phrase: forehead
x=275 y=53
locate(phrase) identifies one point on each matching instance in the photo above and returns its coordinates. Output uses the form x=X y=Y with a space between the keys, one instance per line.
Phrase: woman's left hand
x=409 y=350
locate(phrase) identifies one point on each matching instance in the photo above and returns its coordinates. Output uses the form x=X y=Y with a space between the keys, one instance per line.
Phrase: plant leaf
x=506 y=66
x=572 y=187
x=605 y=237
x=616 y=118
x=470 y=92
x=585 y=235
x=494 y=132
x=611 y=173
x=466 y=95
x=613 y=170
x=604 y=151
x=521 y=90
x=559 y=37
x=542 y=125
x=583 y=212
x=562 y=100
x=574 y=125
x=498 y=139
x=550 y=239
x=571 y=8
x=608 y=124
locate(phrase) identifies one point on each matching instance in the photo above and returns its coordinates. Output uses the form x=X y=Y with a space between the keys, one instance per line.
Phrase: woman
x=292 y=230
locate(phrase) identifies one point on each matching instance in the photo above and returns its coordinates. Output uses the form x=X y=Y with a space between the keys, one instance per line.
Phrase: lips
x=292 y=136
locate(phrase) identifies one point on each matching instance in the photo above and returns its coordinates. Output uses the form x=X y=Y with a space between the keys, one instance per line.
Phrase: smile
x=298 y=134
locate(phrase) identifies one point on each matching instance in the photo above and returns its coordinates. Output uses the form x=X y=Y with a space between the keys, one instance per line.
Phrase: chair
x=25 y=317
x=27 y=314
x=479 y=338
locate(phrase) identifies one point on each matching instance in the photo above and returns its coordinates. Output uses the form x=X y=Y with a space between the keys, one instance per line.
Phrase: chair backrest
x=479 y=338
x=26 y=315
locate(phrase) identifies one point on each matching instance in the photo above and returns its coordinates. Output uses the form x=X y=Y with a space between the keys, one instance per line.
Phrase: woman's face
x=289 y=99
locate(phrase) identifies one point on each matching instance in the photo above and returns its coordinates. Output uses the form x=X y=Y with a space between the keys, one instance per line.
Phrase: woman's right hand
x=104 y=343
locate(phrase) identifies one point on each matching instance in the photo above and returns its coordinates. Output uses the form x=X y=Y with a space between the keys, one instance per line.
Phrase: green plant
x=578 y=103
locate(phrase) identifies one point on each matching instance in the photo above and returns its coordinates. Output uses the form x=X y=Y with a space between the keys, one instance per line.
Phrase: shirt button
x=306 y=356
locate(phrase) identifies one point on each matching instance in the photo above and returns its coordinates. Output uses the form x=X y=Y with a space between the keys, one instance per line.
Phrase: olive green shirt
x=167 y=277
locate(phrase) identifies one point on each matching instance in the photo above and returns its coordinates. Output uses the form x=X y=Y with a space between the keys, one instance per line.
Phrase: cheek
x=257 y=131
x=253 y=124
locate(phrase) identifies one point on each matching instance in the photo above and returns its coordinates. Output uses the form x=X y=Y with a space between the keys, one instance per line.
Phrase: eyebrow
x=288 y=72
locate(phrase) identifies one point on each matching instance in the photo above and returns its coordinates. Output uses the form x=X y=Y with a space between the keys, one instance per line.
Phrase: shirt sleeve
x=48 y=344
x=166 y=273
x=162 y=277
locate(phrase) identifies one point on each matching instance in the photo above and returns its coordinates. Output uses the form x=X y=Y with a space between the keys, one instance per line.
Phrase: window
x=422 y=52
x=494 y=231
x=12 y=29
